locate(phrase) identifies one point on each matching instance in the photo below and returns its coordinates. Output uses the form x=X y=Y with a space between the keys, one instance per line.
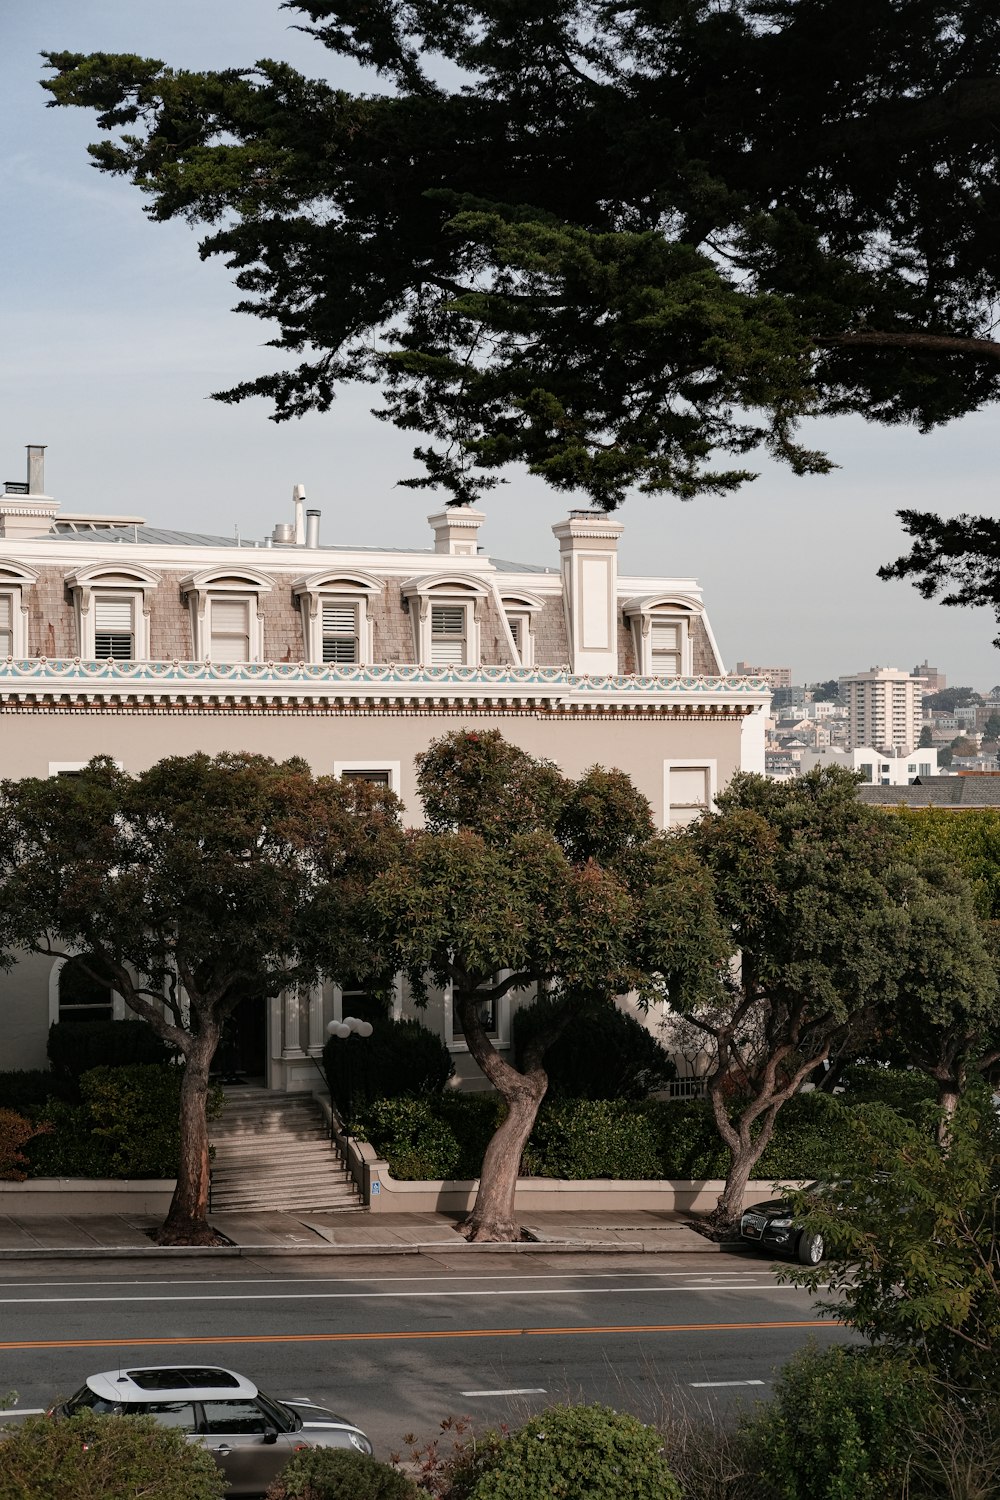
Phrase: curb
x=236 y=1252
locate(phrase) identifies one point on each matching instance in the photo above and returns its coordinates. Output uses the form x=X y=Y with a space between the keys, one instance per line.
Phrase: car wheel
x=810 y=1248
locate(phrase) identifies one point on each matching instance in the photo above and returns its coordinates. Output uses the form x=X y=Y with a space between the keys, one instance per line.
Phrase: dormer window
x=519 y=611
x=227 y=614
x=336 y=616
x=112 y=607
x=229 y=630
x=6 y=625
x=445 y=611
x=665 y=636
x=449 y=635
x=114 y=627
x=15 y=581
x=661 y=634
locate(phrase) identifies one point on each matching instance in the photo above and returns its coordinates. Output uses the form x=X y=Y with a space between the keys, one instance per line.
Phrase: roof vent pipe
x=312 y=528
x=299 y=500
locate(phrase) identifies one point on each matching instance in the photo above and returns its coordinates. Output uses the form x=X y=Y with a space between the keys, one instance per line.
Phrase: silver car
x=251 y=1436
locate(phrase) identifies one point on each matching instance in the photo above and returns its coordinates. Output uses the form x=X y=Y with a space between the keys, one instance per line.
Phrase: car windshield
x=285 y=1418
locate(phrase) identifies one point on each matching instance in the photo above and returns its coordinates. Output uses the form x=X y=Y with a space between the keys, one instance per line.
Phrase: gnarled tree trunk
x=187 y=1219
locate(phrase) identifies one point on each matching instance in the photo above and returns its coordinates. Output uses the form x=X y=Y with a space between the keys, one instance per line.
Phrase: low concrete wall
x=385 y=1194
x=84 y=1195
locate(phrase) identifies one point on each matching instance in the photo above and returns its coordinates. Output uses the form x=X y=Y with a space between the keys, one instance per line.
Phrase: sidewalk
x=125 y=1236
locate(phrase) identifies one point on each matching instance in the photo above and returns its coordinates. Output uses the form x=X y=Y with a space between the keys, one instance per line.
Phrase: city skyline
x=116 y=334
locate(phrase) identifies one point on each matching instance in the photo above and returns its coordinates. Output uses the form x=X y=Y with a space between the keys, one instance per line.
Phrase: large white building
x=124 y=639
x=884 y=708
x=876 y=768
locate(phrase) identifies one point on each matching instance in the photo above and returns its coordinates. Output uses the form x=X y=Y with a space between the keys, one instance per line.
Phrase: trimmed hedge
x=605 y=1054
x=114 y=1458
x=29 y=1091
x=578 y=1139
x=74 y=1047
x=339 y=1474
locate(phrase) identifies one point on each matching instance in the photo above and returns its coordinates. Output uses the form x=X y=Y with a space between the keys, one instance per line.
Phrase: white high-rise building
x=883 y=709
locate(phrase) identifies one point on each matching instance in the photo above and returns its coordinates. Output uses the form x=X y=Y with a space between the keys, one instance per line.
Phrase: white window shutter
x=113 y=615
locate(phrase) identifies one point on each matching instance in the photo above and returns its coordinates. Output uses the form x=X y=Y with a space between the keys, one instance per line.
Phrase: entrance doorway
x=242 y=1054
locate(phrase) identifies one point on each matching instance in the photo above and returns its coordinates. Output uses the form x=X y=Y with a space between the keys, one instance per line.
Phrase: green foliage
x=591 y=1138
x=74 y=1047
x=473 y=1119
x=480 y=781
x=604 y=1054
x=908 y=1091
x=406 y=1132
x=399 y=1058
x=840 y=1426
x=913 y=1241
x=15 y=1133
x=126 y=1125
x=339 y=1474
x=972 y=842
x=29 y=1091
x=567 y=1453
x=113 y=1458
x=948 y=699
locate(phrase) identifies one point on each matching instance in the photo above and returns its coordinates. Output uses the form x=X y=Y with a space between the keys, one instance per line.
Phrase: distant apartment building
x=931 y=680
x=884 y=707
x=778 y=677
x=876 y=768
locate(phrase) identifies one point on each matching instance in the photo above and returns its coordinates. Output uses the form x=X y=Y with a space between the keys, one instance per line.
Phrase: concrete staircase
x=273 y=1151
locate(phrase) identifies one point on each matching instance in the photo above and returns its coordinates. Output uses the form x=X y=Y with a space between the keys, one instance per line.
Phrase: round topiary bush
x=604 y=1054
x=339 y=1474
x=570 y=1453
x=116 y=1458
x=399 y=1058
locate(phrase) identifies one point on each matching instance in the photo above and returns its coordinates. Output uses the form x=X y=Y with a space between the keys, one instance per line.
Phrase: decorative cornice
x=404 y=685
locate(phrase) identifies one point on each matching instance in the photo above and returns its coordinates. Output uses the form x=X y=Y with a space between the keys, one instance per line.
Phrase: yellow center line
x=450 y=1333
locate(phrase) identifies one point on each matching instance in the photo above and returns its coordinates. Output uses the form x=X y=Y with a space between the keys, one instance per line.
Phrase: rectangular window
x=6 y=625
x=665 y=648
x=689 y=793
x=487 y=1014
x=515 y=622
x=114 y=629
x=447 y=635
x=340 y=631
x=230 y=631
x=380 y=778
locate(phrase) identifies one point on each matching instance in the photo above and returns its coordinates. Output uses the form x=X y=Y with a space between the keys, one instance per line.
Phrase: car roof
x=171 y=1383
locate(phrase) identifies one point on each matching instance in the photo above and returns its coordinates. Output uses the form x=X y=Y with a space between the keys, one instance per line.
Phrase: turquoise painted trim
x=277 y=676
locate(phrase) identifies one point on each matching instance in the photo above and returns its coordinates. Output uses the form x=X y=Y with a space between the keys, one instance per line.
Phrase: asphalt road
x=400 y=1343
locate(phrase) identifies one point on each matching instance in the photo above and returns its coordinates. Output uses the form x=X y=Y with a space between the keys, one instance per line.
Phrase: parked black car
x=772 y=1226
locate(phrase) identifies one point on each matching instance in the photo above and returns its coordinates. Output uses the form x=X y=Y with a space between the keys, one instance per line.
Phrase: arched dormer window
x=227 y=617
x=661 y=631
x=112 y=605
x=445 y=609
x=519 y=610
x=336 y=618
x=15 y=581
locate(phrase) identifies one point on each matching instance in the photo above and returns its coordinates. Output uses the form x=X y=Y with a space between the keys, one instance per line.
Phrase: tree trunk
x=745 y=1155
x=187 y=1220
x=493 y=1213
x=949 y=1092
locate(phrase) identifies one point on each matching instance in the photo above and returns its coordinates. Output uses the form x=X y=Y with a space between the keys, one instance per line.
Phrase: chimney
x=455 y=530
x=299 y=500
x=312 y=528
x=36 y=468
x=588 y=552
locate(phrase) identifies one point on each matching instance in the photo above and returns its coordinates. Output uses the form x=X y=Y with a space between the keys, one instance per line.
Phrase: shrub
x=15 y=1132
x=472 y=1119
x=582 y=1138
x=399 y=1058
x=904 y=1089
x=840 y=1425
x=77 y=1046
x=568 y=1453
x=812 y=1138
x=115 y=1458
x=29 y=1091
x=339 y=1474
x=687 y=1142
x=607 y=1054
x=417 y=1145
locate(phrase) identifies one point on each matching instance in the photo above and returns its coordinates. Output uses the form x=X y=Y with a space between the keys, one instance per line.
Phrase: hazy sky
x=113 y=333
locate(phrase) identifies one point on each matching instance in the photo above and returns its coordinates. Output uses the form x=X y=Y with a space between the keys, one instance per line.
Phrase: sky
x=113 y=333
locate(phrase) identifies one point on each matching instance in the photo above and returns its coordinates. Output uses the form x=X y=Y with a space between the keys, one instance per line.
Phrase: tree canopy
x=608 y=242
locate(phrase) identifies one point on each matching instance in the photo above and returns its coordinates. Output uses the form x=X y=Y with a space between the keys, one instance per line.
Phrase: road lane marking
x=544 y=1291
x=450 y=1333
x=759 y=1270
x=711 y=1385
x=527 y=1390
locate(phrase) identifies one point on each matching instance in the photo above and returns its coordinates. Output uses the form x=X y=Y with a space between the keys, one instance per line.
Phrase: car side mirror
x=270 y=1435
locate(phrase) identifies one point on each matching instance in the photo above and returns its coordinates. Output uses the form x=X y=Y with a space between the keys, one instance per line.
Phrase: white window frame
x=679 y=610
x=106 y=581
x=317 y=589
x=119 y=596
x=252 y=636
x=15 y=580
x=422 y=595
x=500 y=1038
x=220 y=584
x=464 y=636
x=392 y=766
x=695 y=763
x=118 y=1007
x=523 y=608
x=396 y=1007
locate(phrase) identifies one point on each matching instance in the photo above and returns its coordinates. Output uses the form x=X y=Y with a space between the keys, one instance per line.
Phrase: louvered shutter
x=230 y=630
x=515 y=622
x=6 y=625
x=113 y=629
x=665 y=644
x=447 y=635
x=340 y=631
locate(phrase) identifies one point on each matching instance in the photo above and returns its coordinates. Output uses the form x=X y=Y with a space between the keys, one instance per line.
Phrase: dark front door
x=243 y=1049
